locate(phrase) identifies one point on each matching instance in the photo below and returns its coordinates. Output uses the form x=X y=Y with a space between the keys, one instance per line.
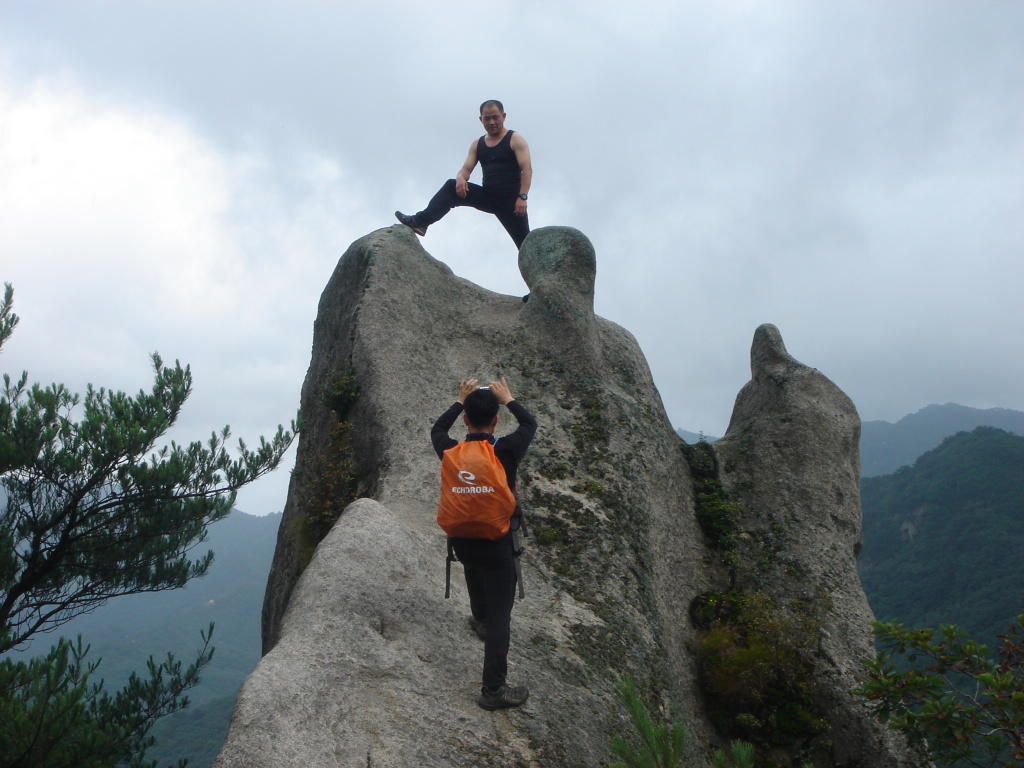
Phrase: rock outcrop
x=366 y=664
x=790 y=462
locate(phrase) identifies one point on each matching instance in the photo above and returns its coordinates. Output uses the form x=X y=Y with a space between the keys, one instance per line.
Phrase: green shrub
x=660 y=745
x=960 y=705
x=340 y=392
x=547 y=534
x=713 y=606
x=755 y=673
x=716 y=515
x=590 y=488
x=740 y=755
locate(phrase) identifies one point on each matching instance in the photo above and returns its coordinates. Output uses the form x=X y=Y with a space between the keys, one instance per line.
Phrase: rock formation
x=366 y=664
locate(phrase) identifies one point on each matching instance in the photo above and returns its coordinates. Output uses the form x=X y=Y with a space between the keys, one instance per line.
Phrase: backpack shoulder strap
x=448 y=569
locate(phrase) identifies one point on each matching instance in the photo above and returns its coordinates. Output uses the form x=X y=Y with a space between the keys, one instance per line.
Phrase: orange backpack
x=476 y=502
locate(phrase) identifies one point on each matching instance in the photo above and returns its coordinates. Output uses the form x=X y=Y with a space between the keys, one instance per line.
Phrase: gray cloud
x=851 y=171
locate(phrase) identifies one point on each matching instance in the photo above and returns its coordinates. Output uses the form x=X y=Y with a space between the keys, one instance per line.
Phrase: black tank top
x=499 y=164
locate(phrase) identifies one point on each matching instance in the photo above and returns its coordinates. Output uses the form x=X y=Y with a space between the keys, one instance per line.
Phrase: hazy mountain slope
x=943 y=538
x=885 y=447
x=694 y=437
x=197 y=733
x=127 y=630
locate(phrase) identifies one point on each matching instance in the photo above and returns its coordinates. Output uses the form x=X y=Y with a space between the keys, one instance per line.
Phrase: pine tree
x=95 y=510
x=661 y=745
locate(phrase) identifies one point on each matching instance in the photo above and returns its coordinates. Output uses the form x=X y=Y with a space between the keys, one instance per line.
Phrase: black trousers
x=491 y=580
x=500 y=202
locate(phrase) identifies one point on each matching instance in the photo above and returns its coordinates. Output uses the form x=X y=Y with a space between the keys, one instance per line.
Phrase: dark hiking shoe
x=526 y=298
x=478 y=627
x=503 y=698
x=410 y=222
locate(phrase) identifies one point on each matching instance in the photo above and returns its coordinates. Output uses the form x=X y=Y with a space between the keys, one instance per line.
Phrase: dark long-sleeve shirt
x=509 y=449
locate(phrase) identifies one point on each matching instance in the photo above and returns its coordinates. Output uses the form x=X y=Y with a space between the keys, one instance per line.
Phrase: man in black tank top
x=504 y=158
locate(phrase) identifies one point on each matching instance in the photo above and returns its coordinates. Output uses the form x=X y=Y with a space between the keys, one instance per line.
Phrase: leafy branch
x=960 y=703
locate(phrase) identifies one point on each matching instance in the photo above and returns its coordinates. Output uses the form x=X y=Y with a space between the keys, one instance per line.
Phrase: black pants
x=500 y=202
x=491 y=580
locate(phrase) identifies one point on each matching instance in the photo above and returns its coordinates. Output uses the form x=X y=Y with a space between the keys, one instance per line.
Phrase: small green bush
x=547 y=534
x=660 y=745
x=590 y=488
x=740 y=755
x=716 y=515
x=755 y=672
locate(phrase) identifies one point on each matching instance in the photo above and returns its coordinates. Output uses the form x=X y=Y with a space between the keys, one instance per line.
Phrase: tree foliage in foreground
x=54 y=716
x=660 y=745
x=95 y=510
x=960 y=704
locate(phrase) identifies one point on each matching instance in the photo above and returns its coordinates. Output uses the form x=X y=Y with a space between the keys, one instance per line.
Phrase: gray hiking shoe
x=503 y=698
x=478 y=627
x=410 y=222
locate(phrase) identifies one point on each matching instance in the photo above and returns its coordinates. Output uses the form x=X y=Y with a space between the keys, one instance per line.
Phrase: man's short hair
x=481 y=406
x=492 y=102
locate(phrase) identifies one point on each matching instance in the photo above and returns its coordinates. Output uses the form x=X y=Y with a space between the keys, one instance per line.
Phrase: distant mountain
x=694 y=437
x=944 y=539
x=128 y=630
x=885 y=447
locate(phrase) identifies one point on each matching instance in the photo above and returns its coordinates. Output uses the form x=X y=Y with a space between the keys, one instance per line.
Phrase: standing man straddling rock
x=504 y=158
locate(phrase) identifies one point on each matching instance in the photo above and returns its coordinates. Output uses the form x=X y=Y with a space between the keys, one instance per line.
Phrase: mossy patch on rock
x=715 y=513
x=332 y=484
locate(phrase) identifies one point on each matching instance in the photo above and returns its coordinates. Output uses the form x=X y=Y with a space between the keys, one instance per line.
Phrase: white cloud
x=125 y=232
x=184 y=176
x=114 y=217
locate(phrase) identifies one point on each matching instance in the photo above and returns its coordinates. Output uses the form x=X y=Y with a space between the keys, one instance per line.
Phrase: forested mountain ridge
x=942 y=539
x=885 y=446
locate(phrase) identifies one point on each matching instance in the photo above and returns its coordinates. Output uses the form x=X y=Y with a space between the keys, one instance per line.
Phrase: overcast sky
x=182 y=176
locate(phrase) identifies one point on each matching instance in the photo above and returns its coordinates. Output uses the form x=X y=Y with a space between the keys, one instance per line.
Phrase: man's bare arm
x=522 y=150
x=462 y=177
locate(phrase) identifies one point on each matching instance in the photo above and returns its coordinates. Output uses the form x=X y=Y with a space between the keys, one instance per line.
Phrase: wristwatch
x=522 y=196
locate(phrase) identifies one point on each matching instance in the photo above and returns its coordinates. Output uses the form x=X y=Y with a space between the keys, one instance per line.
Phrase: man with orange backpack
x=479 y=512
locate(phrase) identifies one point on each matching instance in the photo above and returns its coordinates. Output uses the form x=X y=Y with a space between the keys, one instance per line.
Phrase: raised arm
x=466 y=387
x=527 y=424
x=439 y=432
x=522 y=150
x=501 y=391
x=462 y=177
